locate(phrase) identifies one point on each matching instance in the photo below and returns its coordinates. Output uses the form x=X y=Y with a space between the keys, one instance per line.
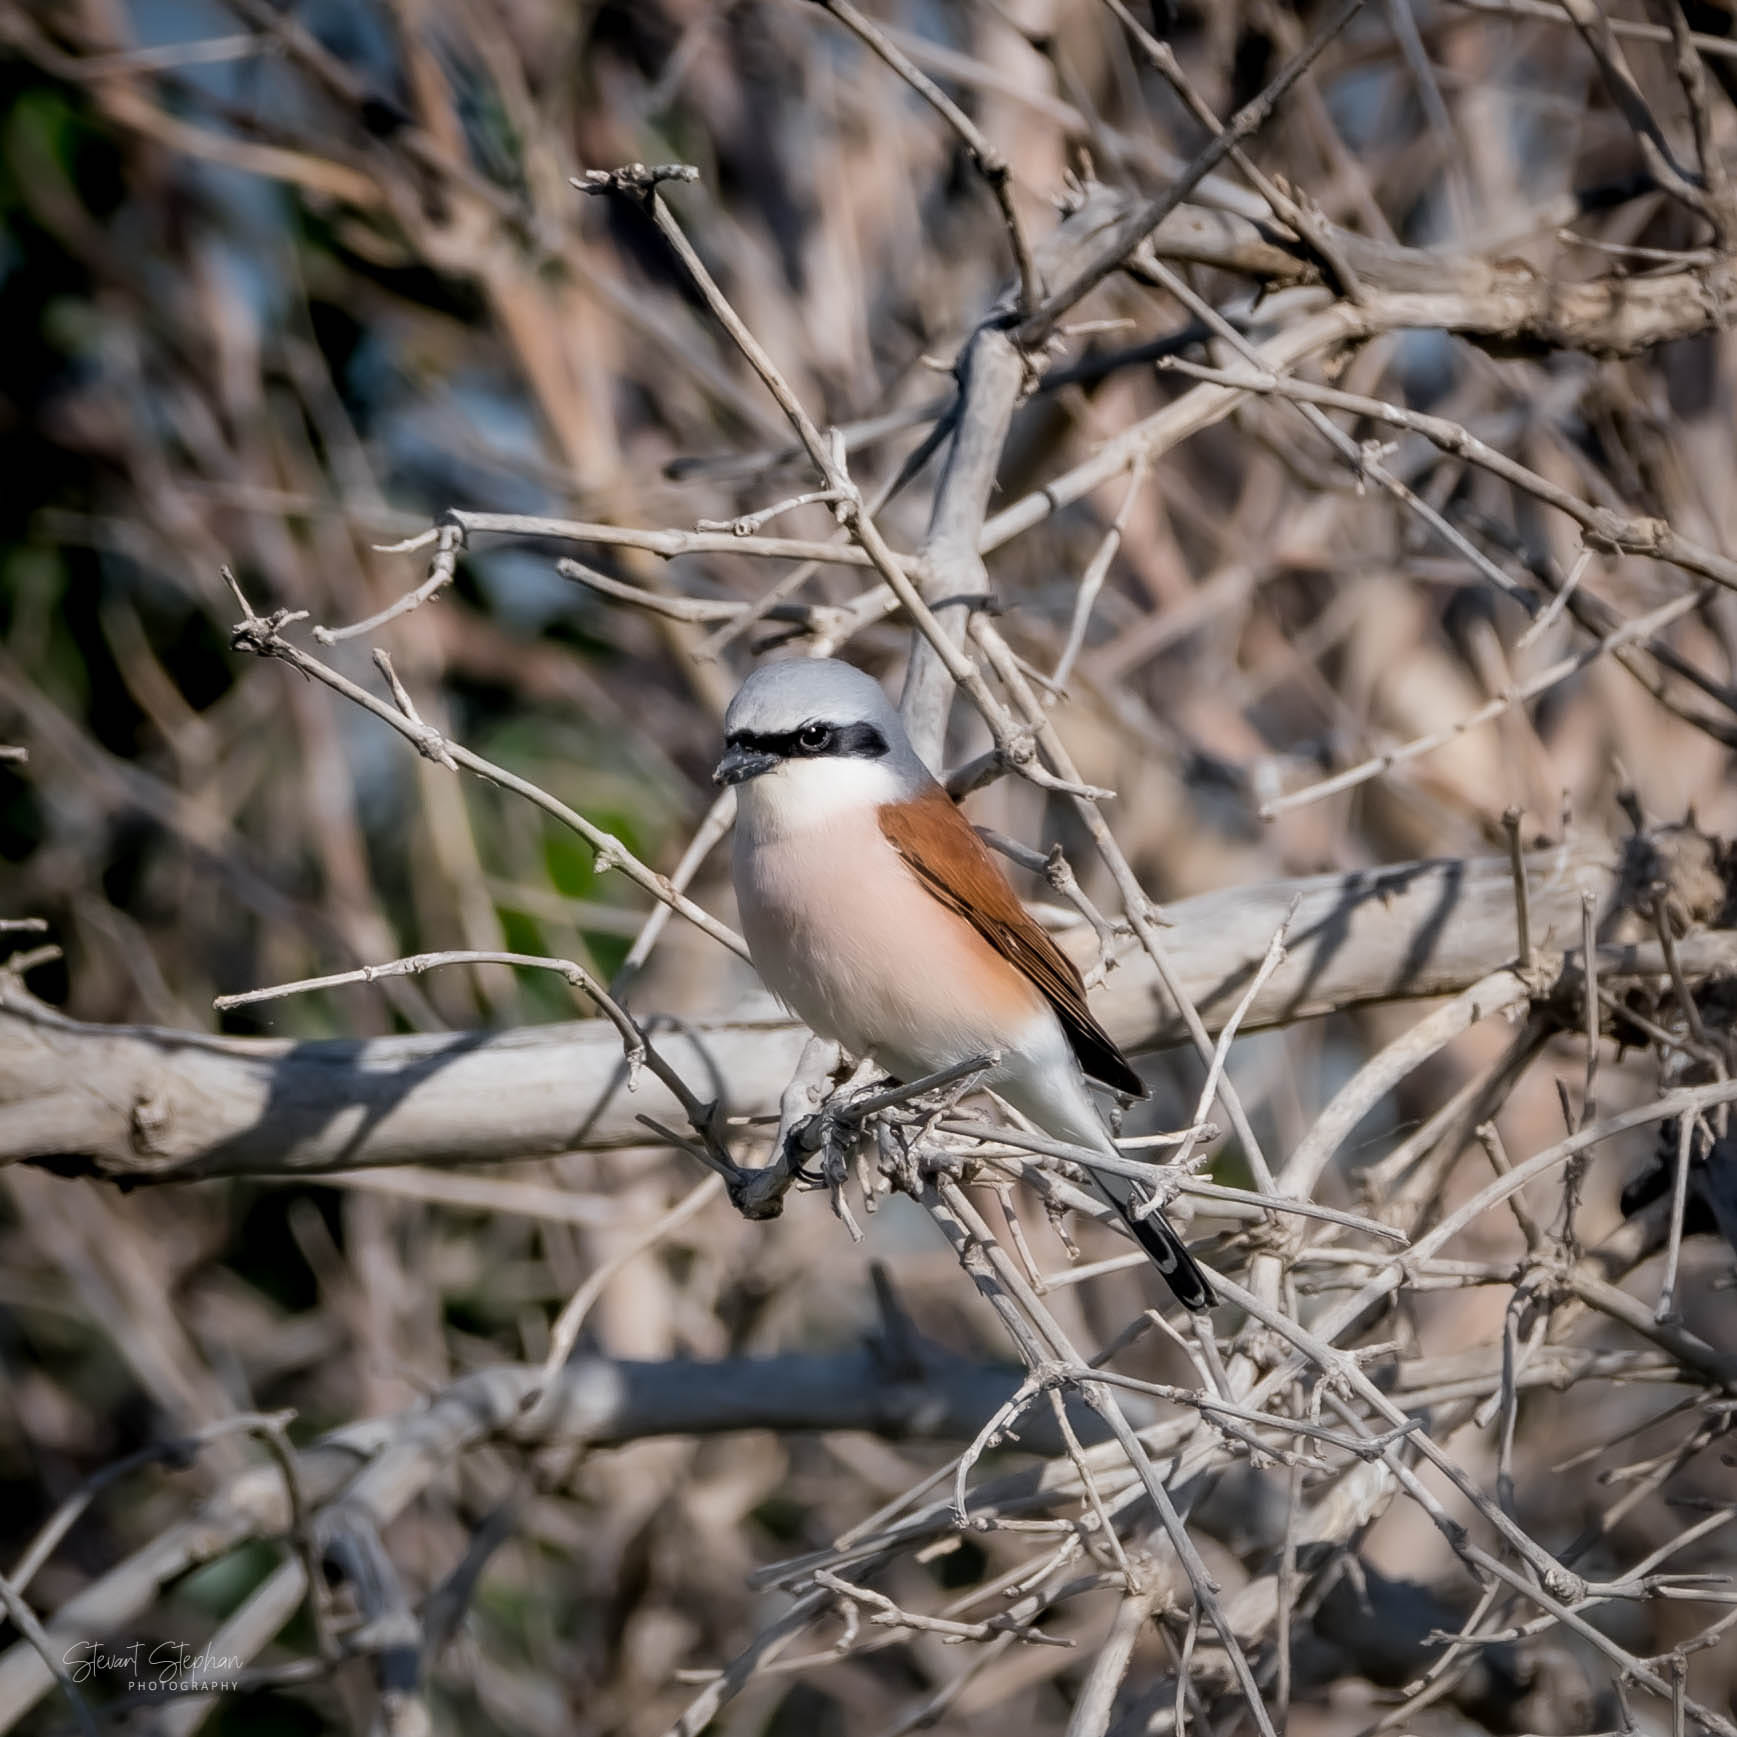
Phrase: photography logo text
x=154 y=1667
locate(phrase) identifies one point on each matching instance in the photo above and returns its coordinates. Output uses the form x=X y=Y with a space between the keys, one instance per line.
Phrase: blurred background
x=278 y=287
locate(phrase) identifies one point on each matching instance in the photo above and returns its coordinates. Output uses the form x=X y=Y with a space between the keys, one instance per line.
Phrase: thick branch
x=925 y=1393
x=144 y=1104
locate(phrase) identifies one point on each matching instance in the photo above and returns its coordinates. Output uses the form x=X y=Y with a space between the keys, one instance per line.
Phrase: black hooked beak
x=739 y=764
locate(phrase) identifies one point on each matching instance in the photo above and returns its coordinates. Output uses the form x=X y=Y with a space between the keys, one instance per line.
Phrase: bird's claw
x=819 y=1145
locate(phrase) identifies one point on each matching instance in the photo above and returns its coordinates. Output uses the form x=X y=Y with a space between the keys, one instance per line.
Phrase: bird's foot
x=820 y=1146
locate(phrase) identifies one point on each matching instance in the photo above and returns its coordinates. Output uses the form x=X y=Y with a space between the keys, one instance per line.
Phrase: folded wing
x=936 y=840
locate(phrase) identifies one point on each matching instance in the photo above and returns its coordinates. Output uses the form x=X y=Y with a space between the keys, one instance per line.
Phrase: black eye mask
x=813 y=742
x=749 y=754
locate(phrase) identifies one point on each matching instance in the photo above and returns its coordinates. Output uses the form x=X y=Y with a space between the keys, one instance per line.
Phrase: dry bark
x=137 y=1103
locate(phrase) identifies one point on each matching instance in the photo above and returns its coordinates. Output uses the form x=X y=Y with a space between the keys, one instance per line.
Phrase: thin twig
x=1626 y=93
x=1665 y=1309
x=637 y=1048
x=442 y=570
x=1604 y=528
x=1589 y=998
x=1518 y=694
x=1097 y=571
x=1270 y=962
x=991 y=164
x=264 y=636
x=569 y=1323
x=1109 y=255
x=25 y=1620
x=1668 y=942
x=1525 y=953
x=707 y=836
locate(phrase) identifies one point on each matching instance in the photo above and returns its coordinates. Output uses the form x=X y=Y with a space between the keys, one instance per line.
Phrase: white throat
x=799 y=795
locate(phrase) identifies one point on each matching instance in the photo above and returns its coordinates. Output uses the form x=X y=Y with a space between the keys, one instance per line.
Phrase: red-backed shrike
x=878 y=916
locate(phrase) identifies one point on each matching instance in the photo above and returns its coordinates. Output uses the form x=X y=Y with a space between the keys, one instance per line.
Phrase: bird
x=876 y=914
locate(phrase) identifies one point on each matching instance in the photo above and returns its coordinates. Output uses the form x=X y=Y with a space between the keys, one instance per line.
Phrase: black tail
x=1182 y=1272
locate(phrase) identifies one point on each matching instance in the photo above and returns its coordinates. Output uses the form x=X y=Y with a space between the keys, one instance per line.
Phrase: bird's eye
x=814 y=738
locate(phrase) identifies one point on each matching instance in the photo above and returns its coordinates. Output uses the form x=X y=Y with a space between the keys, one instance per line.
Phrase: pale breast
x=848 y=938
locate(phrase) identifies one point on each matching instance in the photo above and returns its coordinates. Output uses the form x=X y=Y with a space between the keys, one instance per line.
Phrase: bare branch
x=182 y=1104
